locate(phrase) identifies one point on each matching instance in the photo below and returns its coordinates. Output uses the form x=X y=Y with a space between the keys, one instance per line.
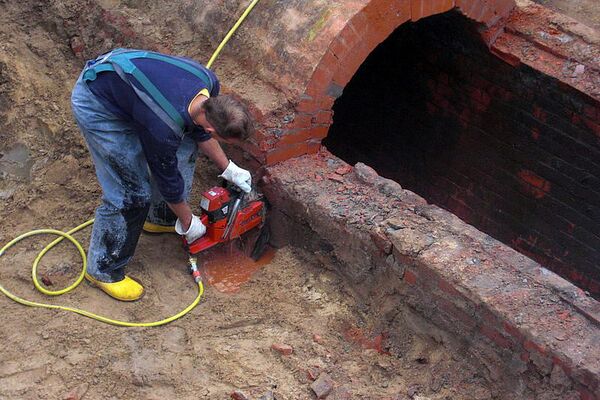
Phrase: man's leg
x=160 y=217
x=122 y=172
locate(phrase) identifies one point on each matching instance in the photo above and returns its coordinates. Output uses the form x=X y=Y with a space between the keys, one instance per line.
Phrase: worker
x=144 y=115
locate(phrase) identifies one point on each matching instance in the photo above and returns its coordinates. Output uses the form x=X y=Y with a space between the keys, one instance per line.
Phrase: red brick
x=496 y=337
x=488 y=317
x=252 y=149
x=416 y=9
x=489 y=15
x=265 y=145
x=466 y=6
x=590 y=380
x=585 y=394
x=563 y=364
x=339 y=47
x=476 y=10
x=509 y=58
x=350 y=63
x=453 y=311
x=319 y=132
x=531 y=346
x=513 y=331
x=594 y=127
x=313 y=147
x=381 y=241
x=592 y=112
x=343 y=75
x=323 y=117
x=410 y=277
x=326 y=102
x=296 y=136
x=441 y=6
x=283 y=349
x=350 y=36
x=319 y=82
x=448 y=288
x=533 y=184
x=307 y=106
x=301 y=120
x=329 y=62
x=382 y=17
x=286 y=152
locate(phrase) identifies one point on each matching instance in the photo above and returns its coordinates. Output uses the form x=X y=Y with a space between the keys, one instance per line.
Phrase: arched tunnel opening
x=499 y=146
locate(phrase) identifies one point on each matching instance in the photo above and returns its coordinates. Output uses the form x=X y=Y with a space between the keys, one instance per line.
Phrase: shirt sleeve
x=199 y=134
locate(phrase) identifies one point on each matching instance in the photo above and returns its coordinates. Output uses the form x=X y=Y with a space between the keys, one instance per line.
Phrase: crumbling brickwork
x=533 y=333
x=507 y=149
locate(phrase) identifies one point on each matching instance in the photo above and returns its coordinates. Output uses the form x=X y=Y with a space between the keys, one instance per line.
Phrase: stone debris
x=322 y=386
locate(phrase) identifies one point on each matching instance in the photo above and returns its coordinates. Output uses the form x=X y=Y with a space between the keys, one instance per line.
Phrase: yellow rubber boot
x=149 y=227
x=125 y=290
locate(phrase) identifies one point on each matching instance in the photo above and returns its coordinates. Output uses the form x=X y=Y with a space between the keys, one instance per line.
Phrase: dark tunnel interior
x=497 y=145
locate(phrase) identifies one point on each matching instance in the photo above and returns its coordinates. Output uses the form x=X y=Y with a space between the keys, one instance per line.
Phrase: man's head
x=228 y=116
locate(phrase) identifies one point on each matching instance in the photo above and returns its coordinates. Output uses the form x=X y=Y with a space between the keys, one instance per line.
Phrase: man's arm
x=213 y=150
x=231 y=172
x=183 y=212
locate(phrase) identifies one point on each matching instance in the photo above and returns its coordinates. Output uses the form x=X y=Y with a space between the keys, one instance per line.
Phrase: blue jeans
x=129 y=194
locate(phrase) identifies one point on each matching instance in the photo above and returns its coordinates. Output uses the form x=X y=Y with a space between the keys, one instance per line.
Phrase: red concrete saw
x=228 y=213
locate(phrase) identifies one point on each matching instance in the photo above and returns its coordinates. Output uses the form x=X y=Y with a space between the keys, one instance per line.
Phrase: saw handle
x=232 y=215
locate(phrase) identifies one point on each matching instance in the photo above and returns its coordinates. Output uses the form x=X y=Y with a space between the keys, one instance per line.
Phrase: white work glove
x=238 y=176
x=194 y=232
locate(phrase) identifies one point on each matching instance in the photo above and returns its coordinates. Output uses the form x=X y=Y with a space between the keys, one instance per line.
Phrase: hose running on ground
x=67 y=235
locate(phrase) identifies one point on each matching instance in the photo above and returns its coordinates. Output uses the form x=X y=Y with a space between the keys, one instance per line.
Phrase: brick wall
x=530 y=332
x=510 y=150
x=301 y=131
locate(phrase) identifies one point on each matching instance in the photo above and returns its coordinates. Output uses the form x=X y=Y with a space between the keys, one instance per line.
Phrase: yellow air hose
x=67 y=235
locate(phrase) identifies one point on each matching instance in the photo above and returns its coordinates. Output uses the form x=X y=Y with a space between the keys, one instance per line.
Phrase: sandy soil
x=222 y=346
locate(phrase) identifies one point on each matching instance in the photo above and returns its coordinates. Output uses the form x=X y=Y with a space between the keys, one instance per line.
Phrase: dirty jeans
x=129 y=194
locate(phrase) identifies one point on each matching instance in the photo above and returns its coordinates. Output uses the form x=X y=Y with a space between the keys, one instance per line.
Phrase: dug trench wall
x=535 y=334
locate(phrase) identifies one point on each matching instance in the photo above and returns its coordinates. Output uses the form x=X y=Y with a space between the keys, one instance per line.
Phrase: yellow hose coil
x=67 y=235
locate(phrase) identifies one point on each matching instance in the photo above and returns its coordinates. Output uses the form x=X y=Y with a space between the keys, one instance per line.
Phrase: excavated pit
x=385 y=317
x=501 y=147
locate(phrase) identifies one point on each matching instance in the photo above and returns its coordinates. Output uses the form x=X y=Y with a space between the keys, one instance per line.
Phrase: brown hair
x=229 y=116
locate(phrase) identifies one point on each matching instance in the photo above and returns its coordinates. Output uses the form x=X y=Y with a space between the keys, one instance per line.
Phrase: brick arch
x=360 y=35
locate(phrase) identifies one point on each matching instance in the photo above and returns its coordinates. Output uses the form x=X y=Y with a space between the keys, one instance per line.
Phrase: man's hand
x=238 y=176
x=194 y=232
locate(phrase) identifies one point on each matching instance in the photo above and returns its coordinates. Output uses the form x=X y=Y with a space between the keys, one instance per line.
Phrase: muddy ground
x=47 y=180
